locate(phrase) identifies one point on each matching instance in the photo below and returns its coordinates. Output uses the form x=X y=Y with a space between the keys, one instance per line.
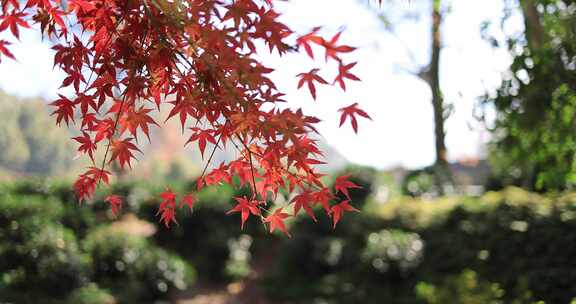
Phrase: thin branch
x=251 y=164
x=211 y=155
x=113 y=132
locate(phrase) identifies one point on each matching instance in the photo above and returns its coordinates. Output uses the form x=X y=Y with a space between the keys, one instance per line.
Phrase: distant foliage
x=463 y=288
x=90 y=294
x=28 y=138
x=534 y=138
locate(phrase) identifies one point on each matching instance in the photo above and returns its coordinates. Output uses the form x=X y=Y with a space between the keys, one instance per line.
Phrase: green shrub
x=51 y=201
x=78 y=217
x=516 y=239
x=90 y=294
x=394 y=250
x=509 y=238
x=238 y=263
x=332 y=266
x=38 y=254
x=133 y=269
x=419 y=182
x=32 y=186
x=49 y=263
x=464 y=288
x=16 y=207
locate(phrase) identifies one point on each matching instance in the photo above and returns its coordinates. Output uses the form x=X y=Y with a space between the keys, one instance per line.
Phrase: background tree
x=430 y=74
x=29 y=138
x=534 y=138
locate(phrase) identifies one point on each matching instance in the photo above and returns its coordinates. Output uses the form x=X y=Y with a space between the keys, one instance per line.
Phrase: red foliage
x=187 y=200
x=350 y=111
x=276 y=220
x=338 y=210
x=342 y=184
x=115 y=203
x=309 y=78
x=167 y=210
x=245 y=207
x=126 y=59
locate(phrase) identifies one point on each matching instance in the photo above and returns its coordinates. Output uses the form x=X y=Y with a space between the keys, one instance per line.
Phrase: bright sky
x=401 y=132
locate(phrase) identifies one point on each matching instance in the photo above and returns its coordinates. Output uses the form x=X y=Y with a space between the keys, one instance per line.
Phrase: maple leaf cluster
x=125 y=59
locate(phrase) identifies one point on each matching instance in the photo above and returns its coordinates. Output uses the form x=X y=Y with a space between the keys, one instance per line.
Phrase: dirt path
x=246 y=291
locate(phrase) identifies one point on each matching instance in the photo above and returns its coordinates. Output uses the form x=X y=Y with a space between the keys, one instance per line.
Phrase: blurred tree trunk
x=442 y=172
x=533 y=28
x=534 y=34
x=430 y=73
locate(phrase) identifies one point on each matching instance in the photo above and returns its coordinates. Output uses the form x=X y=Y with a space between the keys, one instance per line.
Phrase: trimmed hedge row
x=505 y=247
x=59 y=252
x=510 y=246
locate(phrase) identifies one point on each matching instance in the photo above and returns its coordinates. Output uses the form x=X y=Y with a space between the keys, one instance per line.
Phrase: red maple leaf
x=89 y=121
x=84 y=100
x=276 y=220
x=115 y=203
x=13 y=20
x=99 y=174
x=122 y=150
x=40 y=3
x=4 y=50
x=104 y=129
x=303 y=200
x=218 y=175
x=338 y=210
x=184 y=107
x=15 y=4
x=245 y=207
x=202 y=136
x=322 y=197
x=309 y=78
x=84 y=187
x=310 y=37
x=351 y=111
x=81 y=6
x=167 y=208
x=342 y=184
x=86 y=145
x=343 y=72
x=56 y=15
x=64 y=111
x=332 y=49
x=187 y=200
x=86 y=183
x=135 y=119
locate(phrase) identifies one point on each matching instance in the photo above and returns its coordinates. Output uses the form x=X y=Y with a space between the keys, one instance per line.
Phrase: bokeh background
x=472 y=205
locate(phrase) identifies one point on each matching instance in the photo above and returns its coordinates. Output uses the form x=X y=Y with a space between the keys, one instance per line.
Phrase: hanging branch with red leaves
x=126 y=59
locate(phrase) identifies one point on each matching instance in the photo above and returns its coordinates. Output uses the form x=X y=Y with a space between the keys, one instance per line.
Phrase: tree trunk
x=533 y=27
x=441 y=167
x=535 y=36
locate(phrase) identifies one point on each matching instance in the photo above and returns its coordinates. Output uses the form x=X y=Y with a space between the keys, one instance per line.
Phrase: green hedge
x=58 y=251
x=90 y=294
x=505 y=247
x=132 y=268
x=520 y=241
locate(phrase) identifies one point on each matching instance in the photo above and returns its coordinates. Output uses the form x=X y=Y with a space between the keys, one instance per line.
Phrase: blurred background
x=468 y=172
